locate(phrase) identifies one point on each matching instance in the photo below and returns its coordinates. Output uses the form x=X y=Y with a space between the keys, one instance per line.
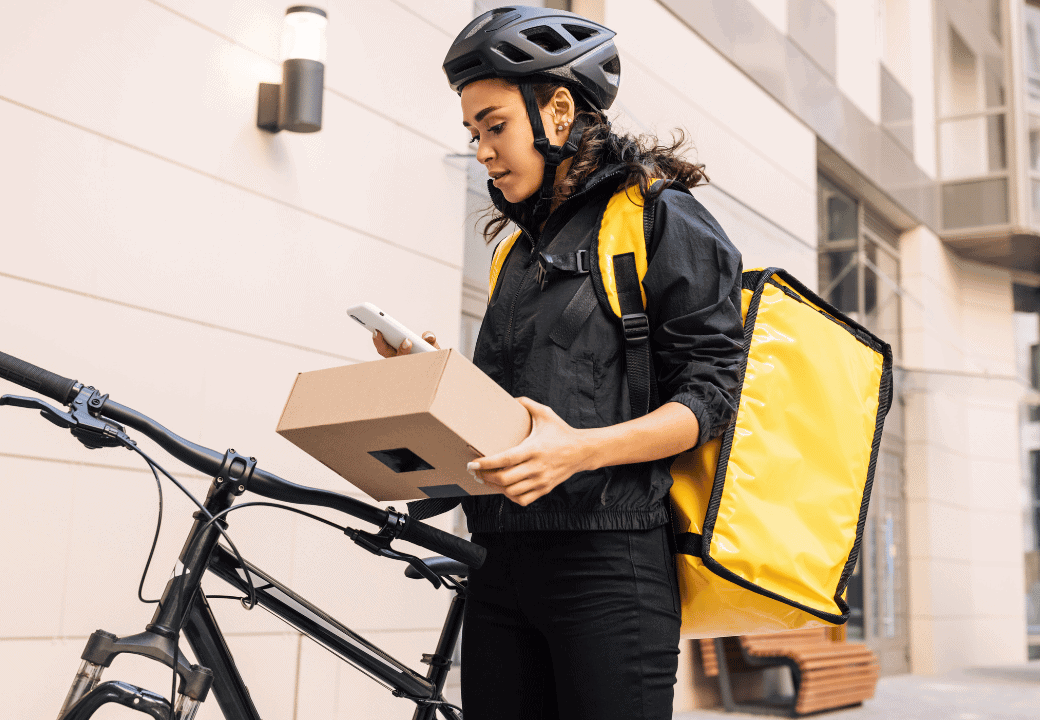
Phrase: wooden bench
x=826 y=674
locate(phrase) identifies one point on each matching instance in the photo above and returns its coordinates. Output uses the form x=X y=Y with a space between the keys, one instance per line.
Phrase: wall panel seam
x=162 y=313
x=338 y=93
x=771 y=221
x=225 y=181
x=754 y=211
x=721 y=125
x=426 y=20
x=101 y=466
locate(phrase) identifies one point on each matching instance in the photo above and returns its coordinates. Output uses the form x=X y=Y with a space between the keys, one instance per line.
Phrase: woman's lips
x=495 y=177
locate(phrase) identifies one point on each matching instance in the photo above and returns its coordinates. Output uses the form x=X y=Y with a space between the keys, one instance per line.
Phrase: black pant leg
x=608 y=605
x=506 y=668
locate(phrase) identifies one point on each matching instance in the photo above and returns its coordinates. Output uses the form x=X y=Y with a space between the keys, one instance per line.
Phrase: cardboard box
x=404 y=428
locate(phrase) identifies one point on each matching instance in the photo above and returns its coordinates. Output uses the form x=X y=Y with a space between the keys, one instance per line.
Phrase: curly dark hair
x=643 y=156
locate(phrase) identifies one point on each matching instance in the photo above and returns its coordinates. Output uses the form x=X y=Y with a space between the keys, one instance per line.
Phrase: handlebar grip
x=442 y=543
x=37 y=379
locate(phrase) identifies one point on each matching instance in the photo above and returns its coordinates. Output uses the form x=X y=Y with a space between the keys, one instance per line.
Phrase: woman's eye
x=474 y=139
x=496 y=129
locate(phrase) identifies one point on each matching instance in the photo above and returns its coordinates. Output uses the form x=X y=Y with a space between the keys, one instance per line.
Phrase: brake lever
x=380 y=545
x=50 y=413
x=93 y=432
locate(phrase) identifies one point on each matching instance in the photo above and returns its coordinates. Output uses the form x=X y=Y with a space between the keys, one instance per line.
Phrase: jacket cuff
x=710 y=425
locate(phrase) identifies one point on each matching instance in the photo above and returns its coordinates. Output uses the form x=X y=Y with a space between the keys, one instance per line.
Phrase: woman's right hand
x=384 y=348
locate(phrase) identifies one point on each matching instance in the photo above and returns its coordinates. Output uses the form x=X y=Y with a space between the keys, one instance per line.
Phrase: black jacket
x=692 y=286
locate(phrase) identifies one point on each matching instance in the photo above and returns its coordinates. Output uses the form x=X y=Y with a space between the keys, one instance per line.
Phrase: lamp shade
x=303 y=34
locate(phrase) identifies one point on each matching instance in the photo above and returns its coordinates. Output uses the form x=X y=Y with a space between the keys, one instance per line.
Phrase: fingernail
x=471 y=466
x=474 y=476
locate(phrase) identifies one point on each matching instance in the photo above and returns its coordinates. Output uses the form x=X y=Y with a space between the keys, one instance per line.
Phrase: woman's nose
x=484 y=153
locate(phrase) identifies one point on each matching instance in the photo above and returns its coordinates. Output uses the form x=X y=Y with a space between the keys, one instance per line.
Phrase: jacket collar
x=604 y=178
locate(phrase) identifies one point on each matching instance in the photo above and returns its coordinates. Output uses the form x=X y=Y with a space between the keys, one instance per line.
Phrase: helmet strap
x=554 y=154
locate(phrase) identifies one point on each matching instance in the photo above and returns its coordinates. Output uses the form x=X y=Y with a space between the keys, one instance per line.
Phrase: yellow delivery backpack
x=769 y=517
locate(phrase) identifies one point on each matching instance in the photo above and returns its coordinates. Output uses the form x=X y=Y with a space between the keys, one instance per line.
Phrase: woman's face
x=494 y=113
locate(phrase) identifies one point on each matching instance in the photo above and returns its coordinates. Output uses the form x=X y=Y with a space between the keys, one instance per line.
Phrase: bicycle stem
x=177 y=597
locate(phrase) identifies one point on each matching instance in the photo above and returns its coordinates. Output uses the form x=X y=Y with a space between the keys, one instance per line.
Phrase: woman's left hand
x=549 y=455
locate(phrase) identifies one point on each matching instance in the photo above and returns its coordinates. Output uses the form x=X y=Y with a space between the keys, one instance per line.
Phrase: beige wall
x=775 y=11
x=754 y=150
x=858 y=55
x=963 y=488
x=214 y=262
x=922 y=85
x=160 y=246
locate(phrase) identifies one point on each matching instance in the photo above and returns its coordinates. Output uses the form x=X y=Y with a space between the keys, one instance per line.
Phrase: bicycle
x=99 y=422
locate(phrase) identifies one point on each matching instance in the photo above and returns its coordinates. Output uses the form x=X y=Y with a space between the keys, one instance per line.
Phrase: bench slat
x=813 y=704
x=832 y=673
x=826 y=673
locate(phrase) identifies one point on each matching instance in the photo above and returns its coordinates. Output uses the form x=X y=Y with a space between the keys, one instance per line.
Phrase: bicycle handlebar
x=261 y=482
x=37 y=379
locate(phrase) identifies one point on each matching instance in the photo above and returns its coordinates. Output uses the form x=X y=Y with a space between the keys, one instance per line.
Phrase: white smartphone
x=393 y=332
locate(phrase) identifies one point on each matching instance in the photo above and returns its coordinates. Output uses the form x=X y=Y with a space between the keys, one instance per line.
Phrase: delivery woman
x=575 y=613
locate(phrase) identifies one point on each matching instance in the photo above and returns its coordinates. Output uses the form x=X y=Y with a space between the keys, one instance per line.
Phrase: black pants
x=571 y=625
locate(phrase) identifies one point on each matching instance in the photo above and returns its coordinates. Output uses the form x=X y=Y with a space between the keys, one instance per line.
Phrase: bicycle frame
x=184 y=607
x=98 y=422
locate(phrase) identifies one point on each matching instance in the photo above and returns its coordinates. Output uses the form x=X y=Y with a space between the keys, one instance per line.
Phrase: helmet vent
x=581 y=33
x=547 y=39
x=612 y=68
x=488 y=18
x=512 y=53
x=464 y=65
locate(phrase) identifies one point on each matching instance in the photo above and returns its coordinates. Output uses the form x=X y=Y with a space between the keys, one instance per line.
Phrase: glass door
x=859 y=275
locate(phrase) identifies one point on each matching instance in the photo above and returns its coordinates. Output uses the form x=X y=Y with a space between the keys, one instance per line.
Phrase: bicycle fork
x=88 y=693
x=159 y=640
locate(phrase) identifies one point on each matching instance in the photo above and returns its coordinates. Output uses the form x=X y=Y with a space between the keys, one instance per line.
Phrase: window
x=1034 y=505
x=1031 y=47
x=1031 y=66
x=973 y=106
x=859 y=263
x=1034 y=366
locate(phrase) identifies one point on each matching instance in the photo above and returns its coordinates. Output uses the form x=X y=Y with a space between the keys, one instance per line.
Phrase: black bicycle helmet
x=523 y=42
x=527 y=44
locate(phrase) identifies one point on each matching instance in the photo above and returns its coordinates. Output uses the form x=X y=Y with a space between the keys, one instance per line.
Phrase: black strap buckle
x=581 y=262
x=576 y=263
x=542 y=274
x=637 y=328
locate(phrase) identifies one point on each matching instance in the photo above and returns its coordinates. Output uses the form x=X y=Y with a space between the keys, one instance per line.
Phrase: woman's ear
x=561 y=109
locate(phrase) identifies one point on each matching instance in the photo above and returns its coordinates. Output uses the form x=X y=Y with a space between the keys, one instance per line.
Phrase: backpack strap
x=620 y=232
x=621 y=254
x=636 y=328
x=549 y=265
x=574 y=315
x=499 y=259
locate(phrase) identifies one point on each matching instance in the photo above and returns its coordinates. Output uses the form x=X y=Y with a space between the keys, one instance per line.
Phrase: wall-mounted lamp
x=295 y=105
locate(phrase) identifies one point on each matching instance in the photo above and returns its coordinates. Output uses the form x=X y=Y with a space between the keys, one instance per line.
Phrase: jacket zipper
x=508 y=350
x=509 y=326
x=530 y=264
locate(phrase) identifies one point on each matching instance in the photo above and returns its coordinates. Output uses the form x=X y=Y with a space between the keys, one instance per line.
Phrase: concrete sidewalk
x=998 y=693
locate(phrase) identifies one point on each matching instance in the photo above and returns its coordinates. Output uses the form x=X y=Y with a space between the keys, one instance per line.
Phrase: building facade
x=161 y=247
